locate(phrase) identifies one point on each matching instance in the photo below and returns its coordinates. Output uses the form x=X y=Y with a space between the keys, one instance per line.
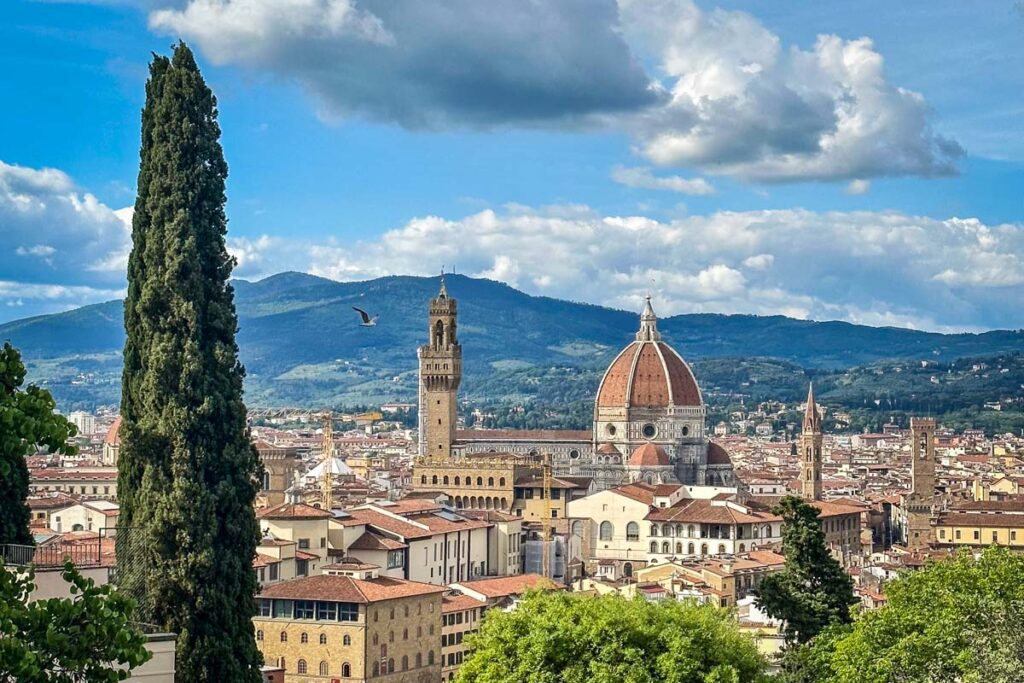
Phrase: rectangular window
x=283 y=609
x=302 y=567
x=554 y=513
x=556 y=494
x=326 y=611
x=348 y=611
x=977 y=535
x=942 y=533
x=273 y=572
x=1013 y=535
x=264 y=607
x=303 y=544
x=957 y=534
x=396 y=558
x=323 y=541
x=304 y=609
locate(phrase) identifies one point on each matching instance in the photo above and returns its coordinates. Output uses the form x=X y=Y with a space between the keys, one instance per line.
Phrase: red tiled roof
x=470 y=435
x=504 y=586
x=979 y=519
x=717 y=455
x=649 y=455
x=73 y=474
x=293 y=511
x=113 y=437
x=459 y=603
x=372 y=541
x=643 y=493
x=337 y=588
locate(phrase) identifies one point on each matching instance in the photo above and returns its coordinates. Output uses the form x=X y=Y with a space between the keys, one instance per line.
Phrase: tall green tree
x=812 y=590
x=188 y=472
x=956 y=620
x=557 y=637
x=89 y=636
x=27 y=422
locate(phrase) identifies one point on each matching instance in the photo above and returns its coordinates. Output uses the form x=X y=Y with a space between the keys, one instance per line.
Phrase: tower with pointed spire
x=810 y=450
x=440 y=361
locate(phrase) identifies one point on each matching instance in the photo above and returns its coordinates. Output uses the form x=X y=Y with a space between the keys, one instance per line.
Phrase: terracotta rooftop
x=372 y=541
x=504 y=586
x=332 y=587
x=459 y=603
x=113 y=437
x=73 y=474
x=643 y=493
x=293 y=511
x=717 y=454
x=648 y=374
x=649 y=455
x=469 y=435
x=979 y=519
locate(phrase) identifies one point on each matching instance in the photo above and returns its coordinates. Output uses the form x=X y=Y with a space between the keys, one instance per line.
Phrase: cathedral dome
x=648 y=373
x=649 y=455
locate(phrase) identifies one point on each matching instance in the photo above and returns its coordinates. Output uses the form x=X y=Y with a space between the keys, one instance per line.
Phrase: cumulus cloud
x=723 y=92
x=429 y=64
x=745 y=104
x=64 y=247
x=876 y=268
x=643 y=178
x=858 y=187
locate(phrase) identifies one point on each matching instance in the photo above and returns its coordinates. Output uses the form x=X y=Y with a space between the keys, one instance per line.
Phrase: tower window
x=649 y=431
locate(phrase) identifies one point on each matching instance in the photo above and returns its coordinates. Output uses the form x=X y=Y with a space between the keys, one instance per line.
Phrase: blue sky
x=745 y=157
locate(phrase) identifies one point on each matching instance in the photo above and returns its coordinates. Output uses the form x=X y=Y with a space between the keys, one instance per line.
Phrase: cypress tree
x=188 y=472
x=812 y=590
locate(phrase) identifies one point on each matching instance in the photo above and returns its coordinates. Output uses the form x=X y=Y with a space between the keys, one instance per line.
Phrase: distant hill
x=301 y=344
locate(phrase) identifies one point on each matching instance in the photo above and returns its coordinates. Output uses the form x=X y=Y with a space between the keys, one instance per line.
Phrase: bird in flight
x=367 y=320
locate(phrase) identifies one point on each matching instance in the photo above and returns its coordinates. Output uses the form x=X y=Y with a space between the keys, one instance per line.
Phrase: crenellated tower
x=440 y=374
x=810 y=450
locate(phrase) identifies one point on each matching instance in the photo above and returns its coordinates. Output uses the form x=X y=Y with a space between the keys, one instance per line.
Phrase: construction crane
x=546 y=532
x=327 y=485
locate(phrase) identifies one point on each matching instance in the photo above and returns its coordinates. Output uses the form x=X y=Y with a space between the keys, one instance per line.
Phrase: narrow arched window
x=323 y=668
x=606 y=531
x=323 y=638
x=302 y=666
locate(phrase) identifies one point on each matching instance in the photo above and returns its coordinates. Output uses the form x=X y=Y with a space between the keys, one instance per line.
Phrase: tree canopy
x=558 y=637
x=958 y=620
x=188 y=472
x=87 y=637
x=27 y=422
x=812 y=590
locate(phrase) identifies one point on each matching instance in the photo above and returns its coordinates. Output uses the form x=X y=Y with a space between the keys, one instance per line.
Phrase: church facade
x=648 y=425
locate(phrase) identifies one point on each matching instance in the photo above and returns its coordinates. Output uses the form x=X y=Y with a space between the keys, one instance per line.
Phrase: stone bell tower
x=810 y=450
x=920 y=502
x=440 y=374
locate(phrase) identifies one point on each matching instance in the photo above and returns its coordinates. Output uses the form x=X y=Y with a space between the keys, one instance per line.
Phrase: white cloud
x=858 y=187
x=58 y=240
x=725 y=93
x=743 y=103
x=879 y=268
x=643 y=178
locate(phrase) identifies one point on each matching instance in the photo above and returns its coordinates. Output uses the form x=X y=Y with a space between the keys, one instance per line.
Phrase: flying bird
x=367 y=320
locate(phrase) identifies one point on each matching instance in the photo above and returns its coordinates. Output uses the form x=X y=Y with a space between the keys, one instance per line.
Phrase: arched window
x=323 y=638
x=346 y=670
x=742 y=547
x=304 y=638
x=501 y=481
x=302 y=666
x=689 y=531
x=419 y=660
x=606 y=531
x=721 y=549
x=689 y=549
x=703 y=548
x=430 y=658
x=439 y=334
x=284 y=636
x=577 y=527
x=479 y=481
x=632 y=531
x=490 y=481
x=665 y=548
x=457 y=481
x=654 y=546
x=323 y=668
x=391 y=666
x=405 y=662
x=627 y=569
x=347 y=640
x=376 y=668
x=654 y=530
x=679 y=548
x=423 y=479
x=444 y=480
x=259 y=635
x=433 y=480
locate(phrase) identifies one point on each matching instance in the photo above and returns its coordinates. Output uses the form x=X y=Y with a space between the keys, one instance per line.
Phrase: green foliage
x=27 y=423
x=558 y=637
x=87 y=637
x=957 y=620
x=812 y=590
x=188 y=473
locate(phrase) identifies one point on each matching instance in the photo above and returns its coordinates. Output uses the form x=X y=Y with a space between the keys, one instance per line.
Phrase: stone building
x=280 y=464
x=351 y=625
x=809 y=450
x=919 y=504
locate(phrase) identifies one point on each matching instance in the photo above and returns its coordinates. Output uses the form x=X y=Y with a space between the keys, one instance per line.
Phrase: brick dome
x=649 y=455
x=648 y=373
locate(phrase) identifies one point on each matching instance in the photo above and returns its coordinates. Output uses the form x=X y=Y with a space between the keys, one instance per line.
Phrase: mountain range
x=302 y=345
